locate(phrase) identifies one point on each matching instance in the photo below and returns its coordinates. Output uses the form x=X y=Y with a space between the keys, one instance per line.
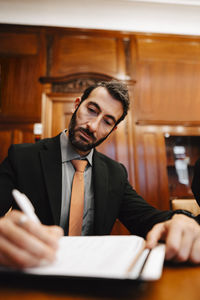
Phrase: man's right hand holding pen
x=25 y=243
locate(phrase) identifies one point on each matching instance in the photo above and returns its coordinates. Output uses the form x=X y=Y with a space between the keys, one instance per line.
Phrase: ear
x=77 y=102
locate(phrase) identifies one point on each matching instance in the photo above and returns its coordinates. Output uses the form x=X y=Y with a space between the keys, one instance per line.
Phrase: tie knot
x=79 y=165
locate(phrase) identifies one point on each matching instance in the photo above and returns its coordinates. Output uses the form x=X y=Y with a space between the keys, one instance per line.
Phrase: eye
x=108 y=122
x=91 y=110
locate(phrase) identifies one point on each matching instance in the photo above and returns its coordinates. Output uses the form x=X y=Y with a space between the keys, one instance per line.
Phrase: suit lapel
x=52 y=168
x=100 y=174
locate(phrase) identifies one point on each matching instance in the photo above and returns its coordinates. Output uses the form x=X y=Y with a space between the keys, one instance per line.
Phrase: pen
x=25 y=205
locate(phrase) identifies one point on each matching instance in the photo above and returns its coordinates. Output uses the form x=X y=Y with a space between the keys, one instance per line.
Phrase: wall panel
x=168 y=81
x=72 y=54
x=14 y=134
x=22 y=61
x=18 y=43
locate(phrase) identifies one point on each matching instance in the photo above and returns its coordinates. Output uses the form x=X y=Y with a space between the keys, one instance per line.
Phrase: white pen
x=25 y=205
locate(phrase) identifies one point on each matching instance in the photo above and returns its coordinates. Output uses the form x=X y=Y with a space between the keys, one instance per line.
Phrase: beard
x=81 y=143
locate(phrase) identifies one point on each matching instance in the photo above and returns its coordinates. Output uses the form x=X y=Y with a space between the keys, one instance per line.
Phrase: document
x=114 y=257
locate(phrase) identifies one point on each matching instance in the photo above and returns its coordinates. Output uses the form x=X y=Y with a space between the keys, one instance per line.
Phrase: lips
x=85 y=136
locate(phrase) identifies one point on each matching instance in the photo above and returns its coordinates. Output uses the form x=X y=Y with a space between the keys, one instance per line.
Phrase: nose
x=93 y=124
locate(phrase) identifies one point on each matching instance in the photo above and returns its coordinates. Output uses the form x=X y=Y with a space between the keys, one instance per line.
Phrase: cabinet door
x=152 y=180
x=182 y=153
x=165 y=156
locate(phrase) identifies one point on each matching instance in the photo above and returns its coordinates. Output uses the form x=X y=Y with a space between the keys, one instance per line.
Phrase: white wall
x=161 y=16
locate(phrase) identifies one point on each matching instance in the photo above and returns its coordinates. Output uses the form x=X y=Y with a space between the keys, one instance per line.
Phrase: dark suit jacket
x=196 y=181
x=36 y=170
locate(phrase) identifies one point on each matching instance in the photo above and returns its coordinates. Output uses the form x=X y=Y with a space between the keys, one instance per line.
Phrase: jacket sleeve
x=196 y=181
x=137 y=215
x=7 y=182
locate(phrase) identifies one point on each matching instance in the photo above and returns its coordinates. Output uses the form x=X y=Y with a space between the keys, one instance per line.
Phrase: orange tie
x=77 y=198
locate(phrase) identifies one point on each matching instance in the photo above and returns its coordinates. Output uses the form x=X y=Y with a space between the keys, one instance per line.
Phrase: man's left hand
x=182 y=237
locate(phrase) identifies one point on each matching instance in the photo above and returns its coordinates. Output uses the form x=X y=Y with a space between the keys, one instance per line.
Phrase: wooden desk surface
x=177 y=283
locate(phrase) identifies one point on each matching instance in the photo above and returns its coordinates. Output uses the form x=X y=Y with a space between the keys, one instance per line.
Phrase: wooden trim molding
x=76 y=83
x=168 y=123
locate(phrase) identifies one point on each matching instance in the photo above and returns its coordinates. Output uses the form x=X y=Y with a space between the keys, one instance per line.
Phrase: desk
x=177 y=283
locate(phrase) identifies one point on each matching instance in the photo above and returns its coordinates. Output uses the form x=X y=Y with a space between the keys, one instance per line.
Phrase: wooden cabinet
x=158 y=178
x=182 y=151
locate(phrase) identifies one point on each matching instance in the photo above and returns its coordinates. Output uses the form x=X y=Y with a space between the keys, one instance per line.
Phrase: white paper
x=102 y=257
x=153 y=267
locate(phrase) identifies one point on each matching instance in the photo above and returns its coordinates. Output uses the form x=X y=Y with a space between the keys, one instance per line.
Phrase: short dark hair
x=116 y=89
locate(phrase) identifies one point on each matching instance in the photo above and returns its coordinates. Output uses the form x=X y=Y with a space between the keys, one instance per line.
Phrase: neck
x=81 y=153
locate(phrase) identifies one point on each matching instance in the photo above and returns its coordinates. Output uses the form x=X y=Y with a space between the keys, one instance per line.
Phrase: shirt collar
x=67 y=151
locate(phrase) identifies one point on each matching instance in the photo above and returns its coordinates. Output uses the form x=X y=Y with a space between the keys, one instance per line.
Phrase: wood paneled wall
x=22 y=62
x=167 y=93
x=168 y=80
x=165 y=69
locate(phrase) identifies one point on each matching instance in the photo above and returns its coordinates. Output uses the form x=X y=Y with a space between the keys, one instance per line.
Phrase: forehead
x=108 y=105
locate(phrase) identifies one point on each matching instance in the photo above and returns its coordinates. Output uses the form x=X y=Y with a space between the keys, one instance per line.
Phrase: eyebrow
x=99 y=108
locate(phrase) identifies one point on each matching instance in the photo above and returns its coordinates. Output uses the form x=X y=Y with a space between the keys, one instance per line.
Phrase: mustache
x=88 y=132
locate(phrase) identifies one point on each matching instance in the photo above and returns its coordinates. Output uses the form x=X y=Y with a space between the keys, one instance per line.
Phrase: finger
x=173 y=239
x=12 y=256
x=42 y=233
x=195 y=252
x=182 y=232
x=186 y=244
x=4 y=261
x=157 y=233
x=21 y=238
x=39 y=231
x=39 y=243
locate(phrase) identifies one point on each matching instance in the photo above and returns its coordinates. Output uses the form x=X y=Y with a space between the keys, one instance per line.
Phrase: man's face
x=94 y=119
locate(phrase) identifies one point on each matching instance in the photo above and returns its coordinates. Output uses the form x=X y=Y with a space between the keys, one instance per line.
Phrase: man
x=196 y=185
x=44 y=172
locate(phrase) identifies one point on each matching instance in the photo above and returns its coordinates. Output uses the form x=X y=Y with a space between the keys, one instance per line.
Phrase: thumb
x=155 y=234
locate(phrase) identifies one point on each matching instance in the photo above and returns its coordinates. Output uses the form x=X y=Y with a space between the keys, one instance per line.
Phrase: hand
x=24 y=243
x=182 y=237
